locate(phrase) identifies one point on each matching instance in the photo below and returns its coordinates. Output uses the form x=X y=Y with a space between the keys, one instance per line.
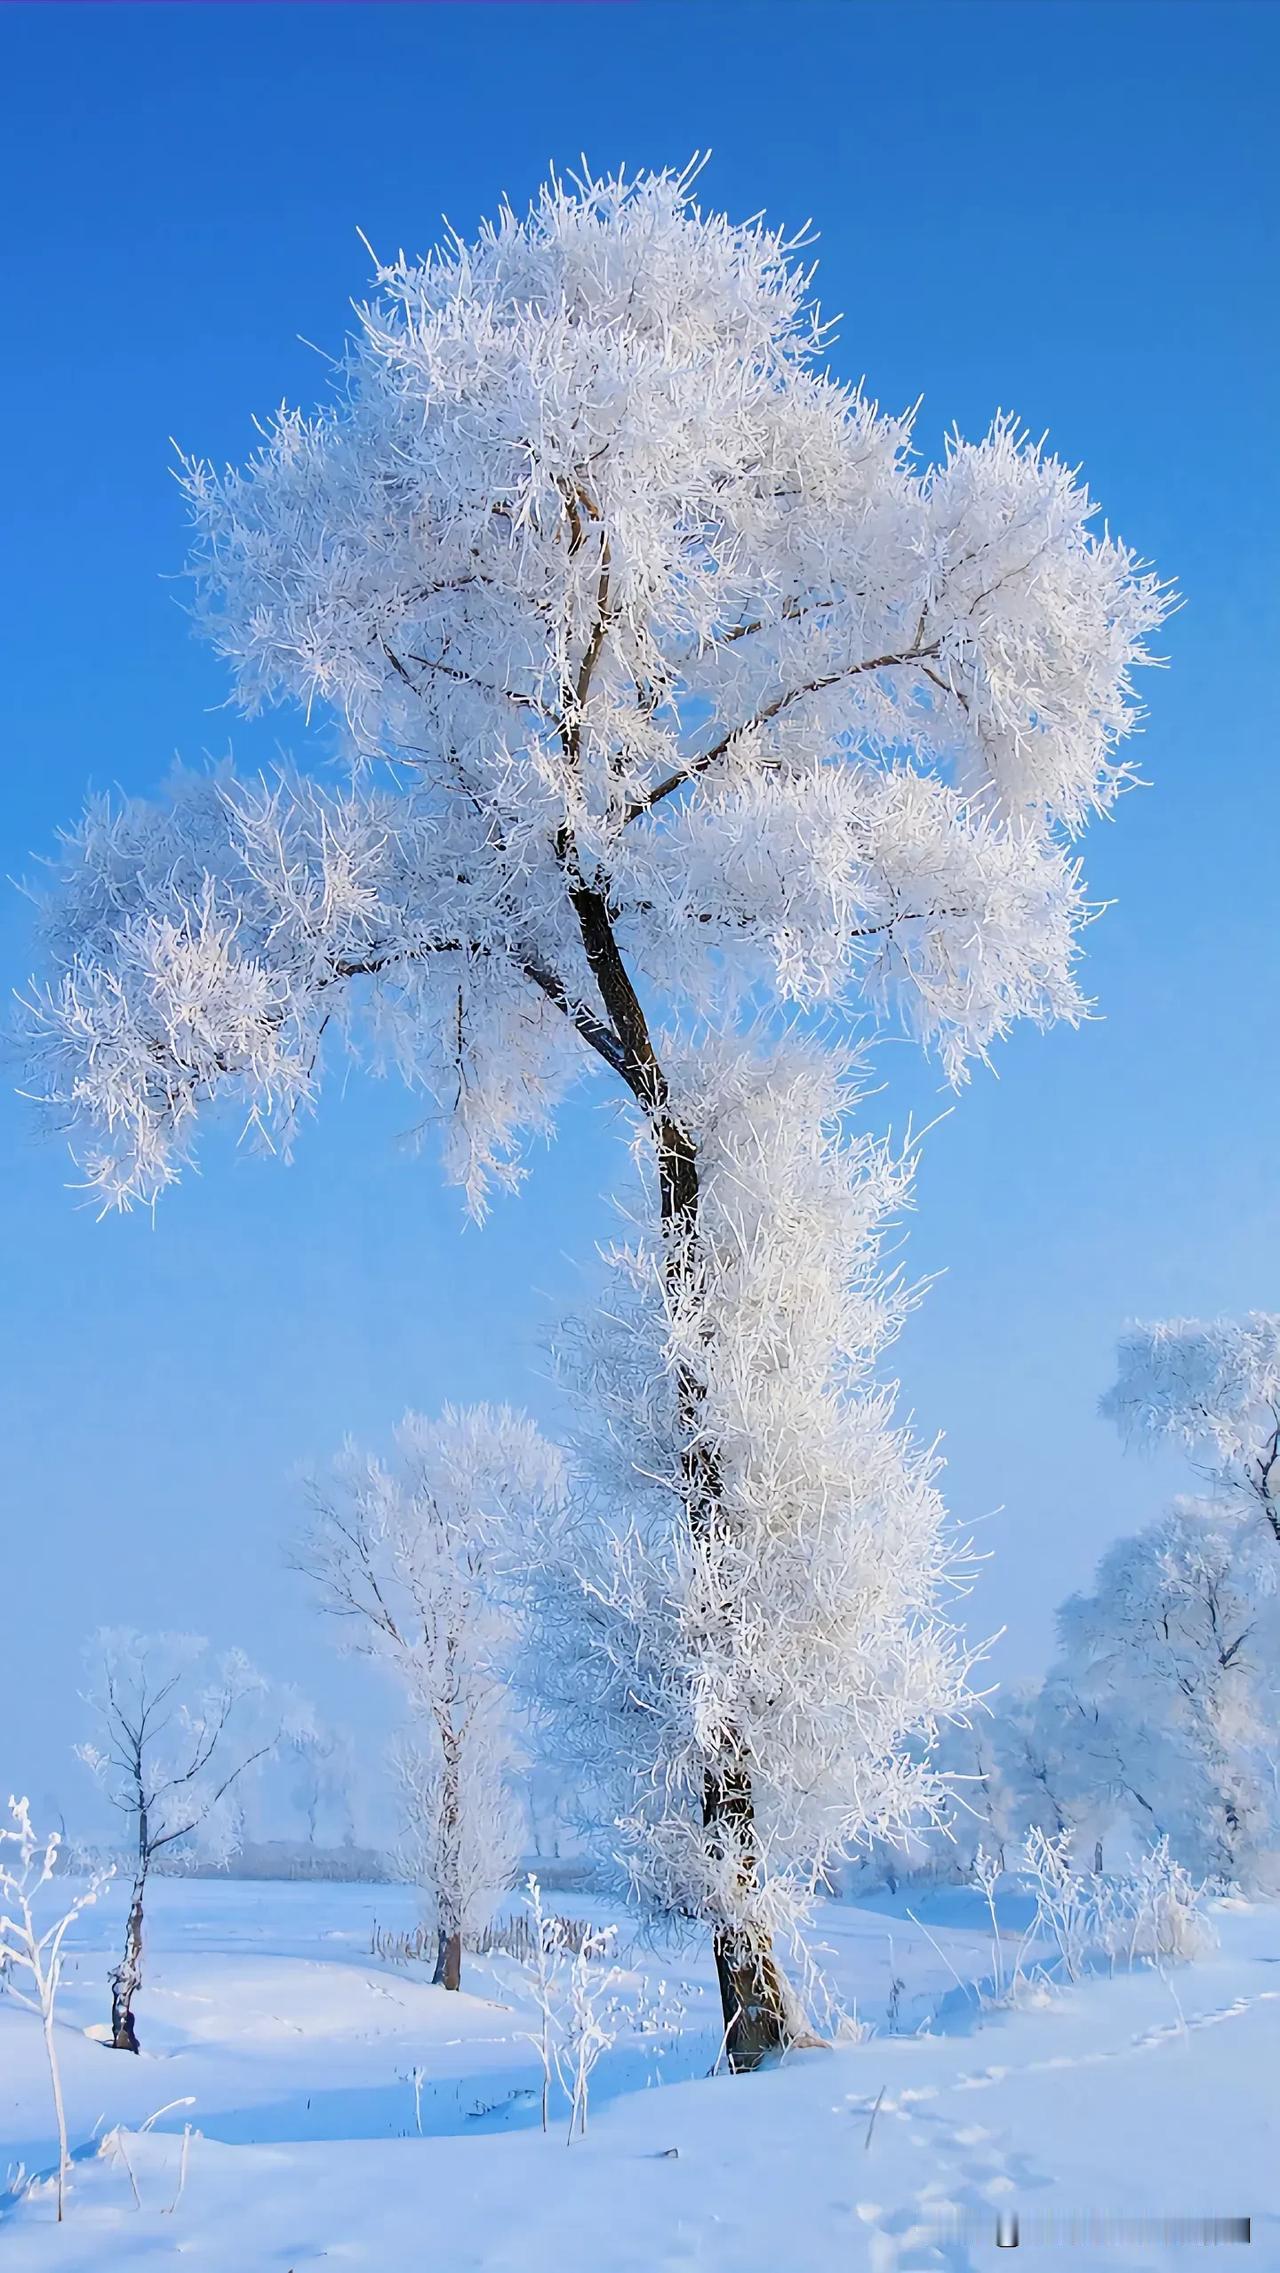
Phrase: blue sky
x=1065 y=210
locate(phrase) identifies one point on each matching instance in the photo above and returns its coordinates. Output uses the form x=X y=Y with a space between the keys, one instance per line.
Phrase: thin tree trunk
x=751 y=1988
x=127 y=1977
x=448 y=1972
x=760 y=2017
x=758 y=2012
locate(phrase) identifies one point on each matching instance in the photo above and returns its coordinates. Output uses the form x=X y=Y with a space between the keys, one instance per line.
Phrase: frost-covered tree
x=1027 y=1745
x=177 y=1729
x=1165 y=1695
x=1215 y=1389
x=983 y=1809
x=322 y=1761
x=1088 y=1764
x=997 y=1773
x=669 y=687
x=460 y=1817
x=793 y=1639
x=1003 y=1777
x=407 y=1555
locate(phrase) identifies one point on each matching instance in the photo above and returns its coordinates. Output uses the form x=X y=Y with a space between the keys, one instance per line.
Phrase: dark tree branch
x=698 y=766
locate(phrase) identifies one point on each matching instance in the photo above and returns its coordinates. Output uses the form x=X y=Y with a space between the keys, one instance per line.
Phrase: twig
x=170 y=2207
x=117 y=2141
x=969 y=1985
x=729 y=2027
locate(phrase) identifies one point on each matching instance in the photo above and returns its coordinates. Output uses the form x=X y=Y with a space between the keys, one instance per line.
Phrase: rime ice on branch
x=670 y=685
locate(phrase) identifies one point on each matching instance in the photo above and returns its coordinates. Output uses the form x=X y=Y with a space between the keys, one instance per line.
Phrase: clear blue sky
x=1067 y=210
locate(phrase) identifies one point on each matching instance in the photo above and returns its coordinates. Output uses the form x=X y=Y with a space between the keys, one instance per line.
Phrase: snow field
x=345 y=2113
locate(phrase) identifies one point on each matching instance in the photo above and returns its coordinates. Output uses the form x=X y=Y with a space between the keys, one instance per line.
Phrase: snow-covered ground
x=315 y=2143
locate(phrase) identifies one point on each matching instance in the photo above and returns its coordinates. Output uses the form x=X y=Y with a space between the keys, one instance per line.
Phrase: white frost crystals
x=1213 y=1387
x=802 y=1627
x=615 y=582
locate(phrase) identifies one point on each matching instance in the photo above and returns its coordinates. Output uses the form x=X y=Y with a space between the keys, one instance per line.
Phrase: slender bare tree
x=177 y=1731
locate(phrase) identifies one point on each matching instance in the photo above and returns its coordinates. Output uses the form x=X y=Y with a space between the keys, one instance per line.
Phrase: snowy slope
x=1138 y=2096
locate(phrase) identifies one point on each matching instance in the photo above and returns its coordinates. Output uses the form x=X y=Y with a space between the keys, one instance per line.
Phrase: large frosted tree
x=665 y=686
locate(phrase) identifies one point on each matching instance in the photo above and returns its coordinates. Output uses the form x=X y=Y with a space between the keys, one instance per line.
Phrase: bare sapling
x=28 y=1864
x=580 y=2005
x=178 y=1733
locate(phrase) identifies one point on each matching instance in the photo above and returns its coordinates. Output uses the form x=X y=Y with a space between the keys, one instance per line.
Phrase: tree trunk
x=449 y=1892
x=127 y=1977
x=753 y=1999
x=759 y=2015
x=448 y=1972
